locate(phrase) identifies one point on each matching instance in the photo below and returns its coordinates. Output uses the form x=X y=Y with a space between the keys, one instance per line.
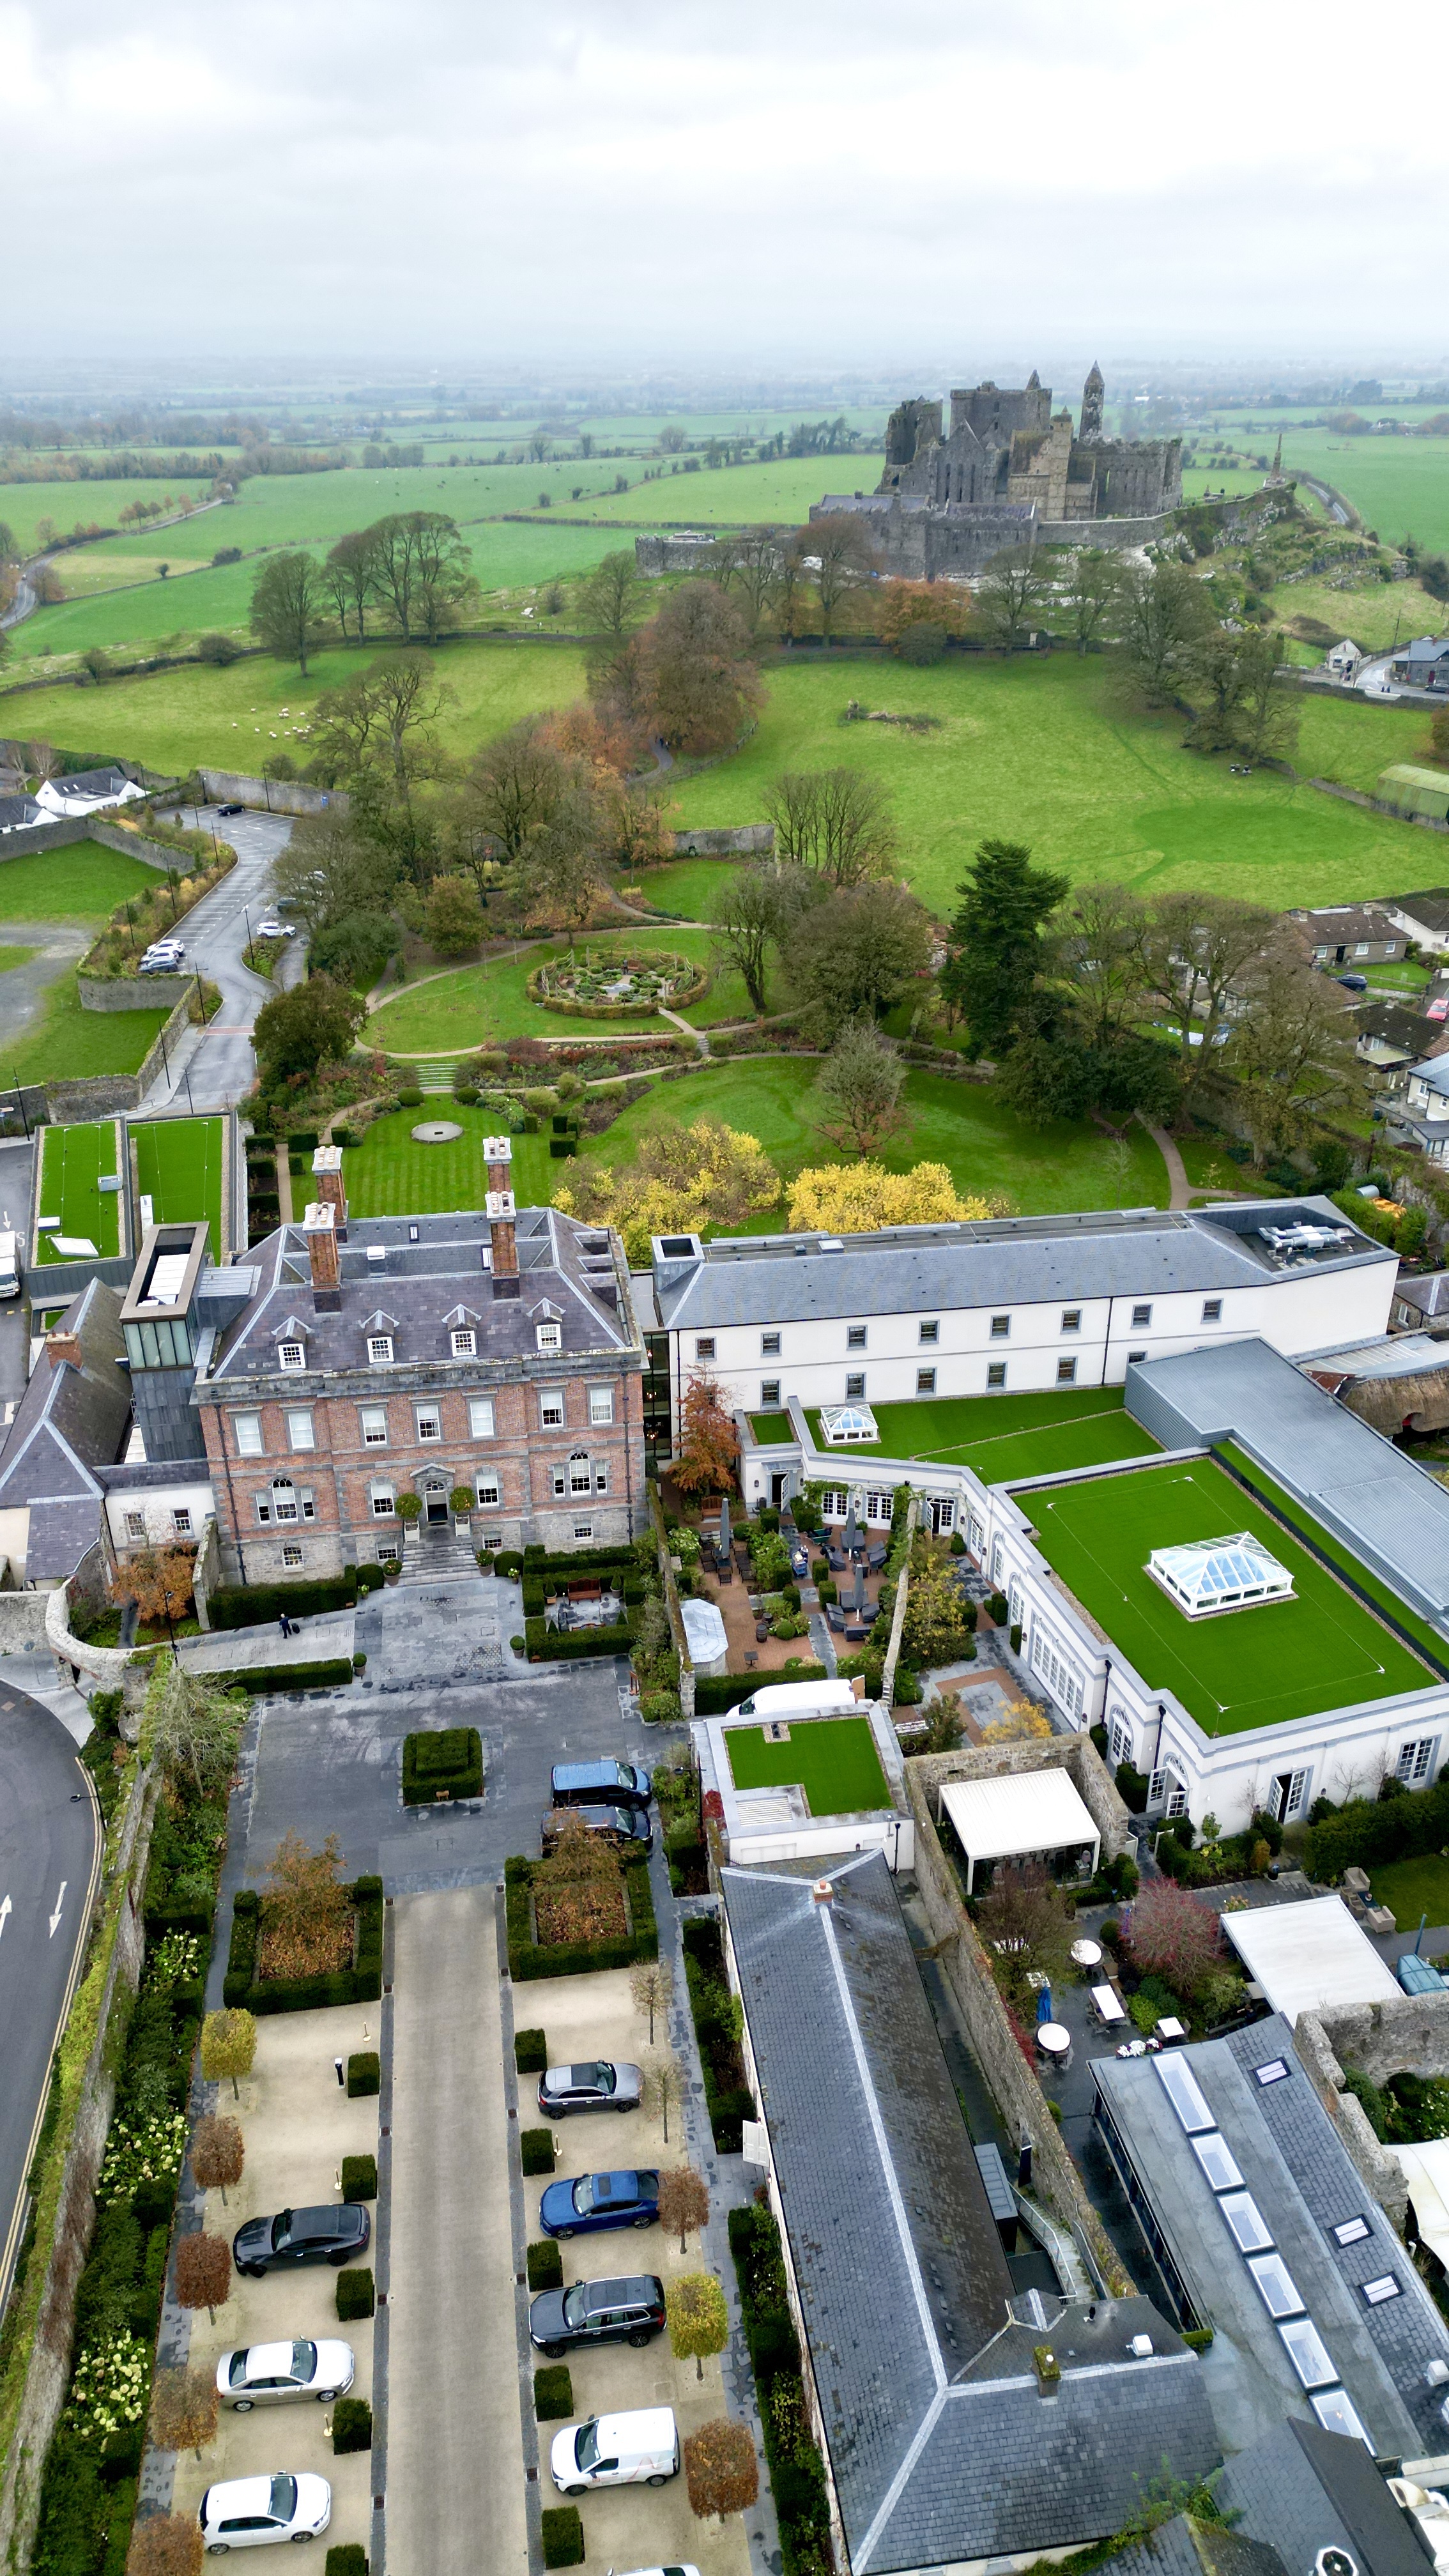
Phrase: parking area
x=297 y=2124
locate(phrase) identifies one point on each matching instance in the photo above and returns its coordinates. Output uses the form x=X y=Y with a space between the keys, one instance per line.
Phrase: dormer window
x=550 y=1337
x=379 y=1350
x=291 y=1355
x=465 y=1343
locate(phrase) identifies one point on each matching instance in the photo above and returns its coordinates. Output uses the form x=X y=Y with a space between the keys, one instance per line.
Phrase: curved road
x=49 y=1862
x=213 y=1068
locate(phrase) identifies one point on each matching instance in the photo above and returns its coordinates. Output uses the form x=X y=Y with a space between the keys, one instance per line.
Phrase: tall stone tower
x=1093 y=395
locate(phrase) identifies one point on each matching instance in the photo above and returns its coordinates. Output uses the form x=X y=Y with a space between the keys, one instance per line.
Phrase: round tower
x=1093 y=395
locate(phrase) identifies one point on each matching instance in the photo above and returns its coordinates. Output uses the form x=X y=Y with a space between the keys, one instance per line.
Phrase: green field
x=691 y=887
x=78 y=882
x=178 y=1167
x=1413 y=1889
x=833 y=1759
x=72 y=1161
x=738 y=495
x=985 y=1146
x=1245 y=1668
x=99 y=504
x=1399 y=485
x=1002 y=1437
x=67 y=1044
x=478 y=1005
x=388 y=1175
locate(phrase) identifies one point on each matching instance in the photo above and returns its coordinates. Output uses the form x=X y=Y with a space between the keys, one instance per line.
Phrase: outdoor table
x=1171 y=2028
x=1087 y=1954
x=1054 y=2043
x=1109 y=2005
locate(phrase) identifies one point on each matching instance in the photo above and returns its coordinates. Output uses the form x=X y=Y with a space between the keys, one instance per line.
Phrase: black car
x=231 y=809
x=600 y=1784
x=630 y=2311
x=627 y=1828
x=338 y=2234
x=1353 y=983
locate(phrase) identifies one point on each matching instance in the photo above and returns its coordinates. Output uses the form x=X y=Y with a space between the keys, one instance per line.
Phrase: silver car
x=597 y=2086
x=266 y=2374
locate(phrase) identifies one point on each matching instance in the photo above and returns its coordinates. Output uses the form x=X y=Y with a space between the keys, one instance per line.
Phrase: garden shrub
x=660 y=1707
x=346 y=2558
x=530 y=2051
x=1368 y=1832
x=356 y=2292
x=797 y=2471
x=442 y=1761
x=727 y=2097
x=536 y=2149
x=359 y=2177
x=563 y=2536
x=359 y=1984
x=364 y=2073
x=553 y=2393
x=1132 y=1787
x=351 y=2425
x=528 y=1957
x=545 y=2265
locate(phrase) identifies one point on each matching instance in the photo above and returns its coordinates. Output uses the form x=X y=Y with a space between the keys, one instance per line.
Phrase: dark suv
x=626 y=1828
x=338 y=2235
x=629 y=2311
x=600 y=1784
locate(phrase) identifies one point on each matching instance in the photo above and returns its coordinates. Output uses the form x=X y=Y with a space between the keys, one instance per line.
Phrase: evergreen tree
x=996 y=941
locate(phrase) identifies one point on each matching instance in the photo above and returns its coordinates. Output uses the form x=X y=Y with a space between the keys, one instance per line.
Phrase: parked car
x=1353 y=983
x=598 y=2086
x=637 y=2450
x=600 y=1784
x=264 y=2374
x=276 y=930
x=336 y=2234
x=245 y=2513
x=627 y=2311
x=627 y=1828
x=163 y=959
x=231 y=809
x=596 y=2201
x=685 y=2567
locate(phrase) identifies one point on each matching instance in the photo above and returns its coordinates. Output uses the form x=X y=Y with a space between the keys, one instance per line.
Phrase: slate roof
x=417 y=1286
x=1357 y=1483
x=1429 y=908
x=1395 y=1026
x=20 y=813
x=1301 y=2490
x=941 y=2448
x=1003 y=1261
x=1303 y=2183
x=69 y=1422
x=1188 y=2547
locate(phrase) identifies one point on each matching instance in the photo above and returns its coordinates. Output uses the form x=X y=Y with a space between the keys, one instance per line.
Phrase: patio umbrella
x=1044 y=2004
x=859 y=1585
x=724 y=1525
x=851 y=1540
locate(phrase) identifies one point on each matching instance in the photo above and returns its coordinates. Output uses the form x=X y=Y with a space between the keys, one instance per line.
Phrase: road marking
x=59 y=1902
x=4 y=1910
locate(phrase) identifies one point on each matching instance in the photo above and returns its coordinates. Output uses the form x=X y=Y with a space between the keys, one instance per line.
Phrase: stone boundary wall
x=756 y=840
x=688 y=551
x=1077 y=1755
x=130 y=993
x=92 y=827
x=110 y=1095
x=1323 y=2039
x=22 y=1620
x=1104 y=532
x=1012 y=2082
x=48 y=2372
x=275 y=795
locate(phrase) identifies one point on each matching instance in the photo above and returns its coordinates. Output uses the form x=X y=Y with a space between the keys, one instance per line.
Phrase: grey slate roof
x=1188 y=2547
x=1356 y=1482
x=417 y=1286
x=1301 y=2490
x=19 y=813
x=1303 y=2182
x=69 y=1423
x=1005 y=1261
x=941 y=2448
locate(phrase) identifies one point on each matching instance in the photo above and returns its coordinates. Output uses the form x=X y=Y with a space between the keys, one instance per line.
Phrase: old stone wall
x=1116 y=533
x=1077 y=1755
x=132 y=993
x=22 y=1621
x=94 y=827
x=1322 y=2040
x=754 y=839
x=688 y=550
x=275 y=795
x=1013 y=2083
x=108 y=1095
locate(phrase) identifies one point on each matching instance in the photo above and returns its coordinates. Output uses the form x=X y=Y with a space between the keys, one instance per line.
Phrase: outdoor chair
x=855 y=1636
x=870 y=1613
x=742 y=1557
x=835 y=1559
x=875 y=1557
x=724 y=1571
x=752 y=1660
x=836 y=1620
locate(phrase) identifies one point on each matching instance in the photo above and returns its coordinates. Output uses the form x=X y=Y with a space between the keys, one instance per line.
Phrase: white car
x=688 y=2568
x=245 y=2513
x=276 y=930
x=264 y=2374
x=640 y=2449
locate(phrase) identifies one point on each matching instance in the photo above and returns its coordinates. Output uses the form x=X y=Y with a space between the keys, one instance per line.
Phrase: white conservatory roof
x=845 y=1422
x=1220 y=1573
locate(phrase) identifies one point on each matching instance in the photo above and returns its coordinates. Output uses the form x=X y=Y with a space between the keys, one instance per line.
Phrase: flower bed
x=528 y=1956
x=631 y=986
x=361 y=1983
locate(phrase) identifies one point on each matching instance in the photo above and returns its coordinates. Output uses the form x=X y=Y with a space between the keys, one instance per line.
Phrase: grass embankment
x=78 y=882
x=1005 y=1436
x=833 y=1759
x=73 y=1162
x=179 y=1167
x=1243 y=1668
x=67 y=1044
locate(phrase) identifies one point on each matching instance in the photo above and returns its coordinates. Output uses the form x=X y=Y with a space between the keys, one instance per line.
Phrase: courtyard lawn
x=178 y=1167
x=78 y=882
x=1414 y=1889
x=771 y=1429
x=1244 y=1668
x=1003 y=1437
x=73 y=1160
x=833 y=1759
x=67 y=1044
x=1042 y=751
x=962 y=1124
x=387 y=1174
x=476 y=1006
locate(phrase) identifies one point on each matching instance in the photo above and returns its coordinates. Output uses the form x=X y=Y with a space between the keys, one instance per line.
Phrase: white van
x=9 y=1265
x=799 y=1699
x=616 y=2451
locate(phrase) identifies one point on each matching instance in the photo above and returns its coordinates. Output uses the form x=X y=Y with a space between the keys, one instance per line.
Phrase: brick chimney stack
x=61 y=1346
x=320 y=1228
x=498 y=1156
x=327 y=1173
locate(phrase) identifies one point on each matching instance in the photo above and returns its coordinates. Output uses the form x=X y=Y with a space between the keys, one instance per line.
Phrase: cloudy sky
x=771 y=183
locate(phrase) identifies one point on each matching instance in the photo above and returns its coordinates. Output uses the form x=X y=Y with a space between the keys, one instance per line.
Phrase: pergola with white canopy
x=1026 y=1815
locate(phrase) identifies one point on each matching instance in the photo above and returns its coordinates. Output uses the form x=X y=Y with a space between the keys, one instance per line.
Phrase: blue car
x=600 y=2200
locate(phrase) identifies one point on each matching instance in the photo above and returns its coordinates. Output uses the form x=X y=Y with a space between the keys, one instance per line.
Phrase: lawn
x=12 y=956
x=771 y=1429
x=1002 y=1437
x=474 y=1006
x=178 y=1167
x=78 y=882
x=1398 y=484
x=833 y=1759
x=71 y=505
x=962 y=1124
x=1039 y=751
x=67 y=1044
x=693 y=888
x=1245 y=1668
x=72 y=1162
x=1413 y=1889
x=388 y=1175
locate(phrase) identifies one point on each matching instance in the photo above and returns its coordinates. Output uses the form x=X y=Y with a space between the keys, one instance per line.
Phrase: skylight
x=843 y=1423
x=1214 y=1574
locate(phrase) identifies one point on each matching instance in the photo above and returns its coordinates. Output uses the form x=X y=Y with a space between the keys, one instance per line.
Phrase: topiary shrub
x=351 y=2425
x=364 y=2073
x=553 y=2393
x=563 y=2536
x=347 y=2558
x=545 y=2265
x=356 y=2291
x=530 y=2051
x=410 y=1097
x=359 y=2177
x=536 y=2148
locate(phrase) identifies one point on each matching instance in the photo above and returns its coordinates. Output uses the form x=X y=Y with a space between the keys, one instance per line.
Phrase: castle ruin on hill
x=1009 y=472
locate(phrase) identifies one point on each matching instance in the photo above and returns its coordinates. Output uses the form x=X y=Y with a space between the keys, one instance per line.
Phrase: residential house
x=1297 y=2499
x=1421 y=1300
x=1351 y=934
x=89 y=791
x=1420 y=1115
x=21 y=813
x=1344 y=661
x=1425 y=916
x=1424 y=664
x=493 y=1352
x=1391 y=1037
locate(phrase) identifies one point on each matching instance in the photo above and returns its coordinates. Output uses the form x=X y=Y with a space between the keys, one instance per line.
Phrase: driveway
x=214 y=1068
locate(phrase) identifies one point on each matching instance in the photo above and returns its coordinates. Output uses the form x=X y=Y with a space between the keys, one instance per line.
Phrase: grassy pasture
x=1399 y=485
x=78 y=882
x=99 y=504
x=178 y=1167
x=73 y=1160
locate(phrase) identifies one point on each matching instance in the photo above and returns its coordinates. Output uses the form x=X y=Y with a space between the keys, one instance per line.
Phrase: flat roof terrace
x=1002 y=1437
x=1259 y=1666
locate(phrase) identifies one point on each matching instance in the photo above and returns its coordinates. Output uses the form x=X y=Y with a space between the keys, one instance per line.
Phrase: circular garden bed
x=612 y=984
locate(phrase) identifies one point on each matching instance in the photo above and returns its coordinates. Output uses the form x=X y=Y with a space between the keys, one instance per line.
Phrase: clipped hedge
x=797 y=2470
x=332 y=1674
x=530 y=2052
x=351 y=2425
x=237 y=1605
x=442 y=1761
x=569 y=1645
x=359 y=2177
x=1369 y=1832
x=545 y=2265
x=535 y=2146
x=728 y=2105
x=364 y=2074
x=346 y=2558
x=563 y=2536
x=356 y=2292
x=553 y=2393
x=716 y=1693
x=528 y=1958
x=359 y=1984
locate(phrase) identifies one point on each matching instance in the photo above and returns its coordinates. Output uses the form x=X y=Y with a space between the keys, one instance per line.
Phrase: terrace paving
x=1241 y=1668
x=1002 y=1437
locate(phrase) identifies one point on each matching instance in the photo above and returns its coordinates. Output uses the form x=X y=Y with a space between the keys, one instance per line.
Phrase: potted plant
x=409 y=1512
x=461 y=1499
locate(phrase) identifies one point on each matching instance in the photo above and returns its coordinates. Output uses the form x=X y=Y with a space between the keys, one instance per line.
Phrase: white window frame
x=246 y=1432
x=601 y=1407
x=386 y=1550
x=369 y=1417
x=551 y=1408
x=487 y=1489
x=583 y=1530
x=291 y=1355
x=383 y=1499
x=300 y=1433
x=379 y=1350
x=1176 y=1797
x=601 y=1476
x=291 y=1553
x=480 y=1417
x=428 y=1421
x=835 y=1503
x=181 y=1521
x=465 y=1342
x=136 y=1528
x=931 y=1331
x=283 y=1509
x=769 y=1394
x=550 y=1337
x=878 y=1510
x=581 y=1473
x=1120 y=1739
x=925 y=1381
x=1415 y=1764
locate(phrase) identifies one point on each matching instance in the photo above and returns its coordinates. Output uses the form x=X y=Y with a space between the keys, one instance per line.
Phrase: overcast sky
x=736 y=183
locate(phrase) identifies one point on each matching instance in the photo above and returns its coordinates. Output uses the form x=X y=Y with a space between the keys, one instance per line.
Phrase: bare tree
x=1092 y=590
x=610 y=598
x=1013 y=587
x=203 y=2272
x=1165 y=612
x=1102 y=938
x=286 y=606
x=1293 y=1049
x=664 y=2089
x=348 y=577
x=184 y=2409
x=747 y=922
x=1200 y=948
x=844 y=557
x=651 y=1983
x=836 y=822
x=218 y=2154
x=683 y=2202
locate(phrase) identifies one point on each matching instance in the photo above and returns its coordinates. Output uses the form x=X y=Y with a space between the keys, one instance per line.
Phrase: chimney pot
x=61 y=1346
x=327 y=1173
x=320 y=1227
x=500 y=1212
x=823 y=1892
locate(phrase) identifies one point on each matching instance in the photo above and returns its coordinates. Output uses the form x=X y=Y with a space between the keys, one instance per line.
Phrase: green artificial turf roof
x=1002 y=1437
x=1245 y=1668
x=833 y=1759
x=178 y=1167
x=72 y=1161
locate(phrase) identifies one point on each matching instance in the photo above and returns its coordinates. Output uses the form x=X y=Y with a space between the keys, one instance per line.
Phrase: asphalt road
x=214 y=1068
x=49 y=1851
